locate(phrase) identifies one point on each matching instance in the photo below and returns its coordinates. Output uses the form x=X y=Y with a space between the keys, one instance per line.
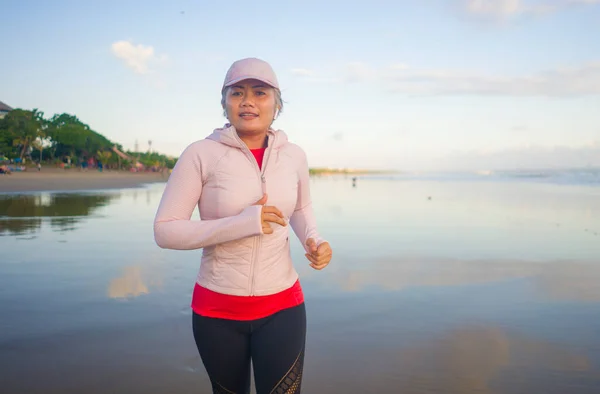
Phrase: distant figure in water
x=353 y=181
x=250 y=186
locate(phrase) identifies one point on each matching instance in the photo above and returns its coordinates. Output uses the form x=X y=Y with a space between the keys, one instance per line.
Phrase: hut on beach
x=4 y=109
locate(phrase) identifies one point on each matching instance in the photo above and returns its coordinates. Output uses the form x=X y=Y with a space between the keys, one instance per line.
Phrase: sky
x=409 y=85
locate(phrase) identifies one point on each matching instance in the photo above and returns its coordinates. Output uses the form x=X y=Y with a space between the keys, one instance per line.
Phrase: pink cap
x=250 y=68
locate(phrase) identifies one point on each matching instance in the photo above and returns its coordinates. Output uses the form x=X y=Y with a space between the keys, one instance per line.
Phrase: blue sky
x=416 y=85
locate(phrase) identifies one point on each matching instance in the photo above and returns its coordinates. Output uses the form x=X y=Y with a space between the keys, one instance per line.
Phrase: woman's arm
x=303 y=220
x=173 y=228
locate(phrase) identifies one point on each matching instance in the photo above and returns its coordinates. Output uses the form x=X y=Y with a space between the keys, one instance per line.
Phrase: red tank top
x=209 y=303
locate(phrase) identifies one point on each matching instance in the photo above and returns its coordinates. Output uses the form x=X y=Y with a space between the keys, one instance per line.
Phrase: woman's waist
x=213 y=303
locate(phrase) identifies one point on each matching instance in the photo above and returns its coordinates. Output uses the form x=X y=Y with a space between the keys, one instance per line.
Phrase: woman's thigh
x=277 y=346
x=224 y=347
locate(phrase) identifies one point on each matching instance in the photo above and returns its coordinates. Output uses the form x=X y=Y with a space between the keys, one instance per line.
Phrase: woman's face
x=250 y=106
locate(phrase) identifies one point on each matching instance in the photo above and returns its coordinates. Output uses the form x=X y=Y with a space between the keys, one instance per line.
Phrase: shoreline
x=53 y=179
x=58 y=180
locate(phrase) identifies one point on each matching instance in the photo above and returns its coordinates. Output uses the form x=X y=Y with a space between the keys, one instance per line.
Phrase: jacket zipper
x=263 y=186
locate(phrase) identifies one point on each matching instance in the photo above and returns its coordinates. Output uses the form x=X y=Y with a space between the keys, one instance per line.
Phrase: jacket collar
x=227 y=135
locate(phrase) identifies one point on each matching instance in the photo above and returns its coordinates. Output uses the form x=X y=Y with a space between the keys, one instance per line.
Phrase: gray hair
x=278 y=101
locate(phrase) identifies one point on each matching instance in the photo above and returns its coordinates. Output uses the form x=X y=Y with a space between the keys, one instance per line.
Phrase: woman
x=249 y=183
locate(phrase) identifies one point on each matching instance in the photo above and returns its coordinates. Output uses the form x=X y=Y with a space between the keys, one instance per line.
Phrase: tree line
x=64 y=138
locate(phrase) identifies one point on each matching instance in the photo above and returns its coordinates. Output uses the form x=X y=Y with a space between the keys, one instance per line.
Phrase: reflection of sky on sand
x=473 y=360
x=559 y=280
x=570 y=282
x=462 y=220
x=485 y=288
x=466 y=360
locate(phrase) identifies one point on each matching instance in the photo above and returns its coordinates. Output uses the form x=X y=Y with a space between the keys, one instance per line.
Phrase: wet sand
x=56 y=179
x=485 y=289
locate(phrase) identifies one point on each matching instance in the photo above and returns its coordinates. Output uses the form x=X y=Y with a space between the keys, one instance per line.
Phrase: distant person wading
x=249 y=182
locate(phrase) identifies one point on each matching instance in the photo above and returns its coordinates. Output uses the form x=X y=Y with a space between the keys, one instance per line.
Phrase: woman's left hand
x=319 y=256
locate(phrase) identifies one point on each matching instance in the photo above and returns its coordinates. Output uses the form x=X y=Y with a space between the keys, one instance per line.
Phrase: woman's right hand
x=269 y=214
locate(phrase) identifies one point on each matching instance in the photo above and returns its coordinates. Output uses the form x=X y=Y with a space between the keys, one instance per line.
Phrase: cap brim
x=240 y=79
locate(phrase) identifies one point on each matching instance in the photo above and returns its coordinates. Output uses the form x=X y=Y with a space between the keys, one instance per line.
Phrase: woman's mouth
x=248 y=115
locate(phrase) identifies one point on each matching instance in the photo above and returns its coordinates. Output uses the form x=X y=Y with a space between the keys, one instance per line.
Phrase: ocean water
x=566 y=176
x=439 y=284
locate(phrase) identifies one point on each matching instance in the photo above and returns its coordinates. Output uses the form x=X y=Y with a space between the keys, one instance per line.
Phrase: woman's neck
x=254 y=141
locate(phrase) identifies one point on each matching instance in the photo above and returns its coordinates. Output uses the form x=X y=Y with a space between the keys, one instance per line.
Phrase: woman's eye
x=259 y=93
x=236 y=93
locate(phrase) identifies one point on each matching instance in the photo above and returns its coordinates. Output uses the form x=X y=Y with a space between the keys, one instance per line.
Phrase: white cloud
x=338 y=136
x=400 y=78
x=502 y=9
x=495 y=7
x=399 y=66
x=357 y=72
x=137 y=57
x=527 y=156
x=565 y=81
x=302 y=72
x=351 y=72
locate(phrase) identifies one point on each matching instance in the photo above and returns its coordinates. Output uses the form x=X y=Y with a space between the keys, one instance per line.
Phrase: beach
x=56 y=179
x=454 y=286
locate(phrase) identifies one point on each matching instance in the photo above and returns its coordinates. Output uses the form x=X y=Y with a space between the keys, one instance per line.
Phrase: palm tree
x=104 y=156
x=25 y=127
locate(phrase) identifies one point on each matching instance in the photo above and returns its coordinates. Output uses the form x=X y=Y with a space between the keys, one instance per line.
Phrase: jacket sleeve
x=173 y=228
x=303 y=220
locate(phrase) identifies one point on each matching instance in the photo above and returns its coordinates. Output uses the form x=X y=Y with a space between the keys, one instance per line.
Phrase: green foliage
x=62 y=137
x=18 y=131
x=70 y=137
x=6 y=140
x=153 y=159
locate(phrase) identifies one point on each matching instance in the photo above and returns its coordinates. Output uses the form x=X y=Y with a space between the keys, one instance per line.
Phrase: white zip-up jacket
x=220 y=176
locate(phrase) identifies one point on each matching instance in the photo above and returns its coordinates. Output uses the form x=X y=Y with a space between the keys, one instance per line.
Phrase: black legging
x=275 y=344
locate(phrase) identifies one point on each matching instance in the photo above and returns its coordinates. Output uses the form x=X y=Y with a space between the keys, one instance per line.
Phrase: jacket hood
x=227 y=135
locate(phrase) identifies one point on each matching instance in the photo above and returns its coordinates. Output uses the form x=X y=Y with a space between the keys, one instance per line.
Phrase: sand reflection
x=570 y=282
x=469 y=359
x=134 y=282
x=481 y=360
x=560 y=280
